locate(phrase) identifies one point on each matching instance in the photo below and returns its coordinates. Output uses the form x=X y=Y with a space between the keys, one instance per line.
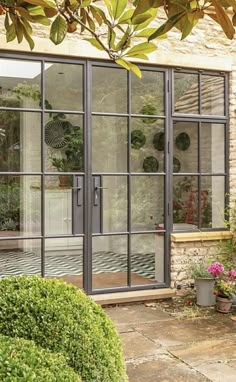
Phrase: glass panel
x=58 y=205
x=109 y=90
x=147 y=95
x=20 y=83
x=147 y=146
x=147 y=259
x=64 y=259
x=20 y=205
x=64 y=143
x=109 y=262
x=185 y=147
x=63 y=86
x=213 y=201
x=212 y=147
x=186 y=93
x=20 y=257
x=147 y=202
x=185 y=203
x=20 y=141
x=114 y=203
x=109 y=144
x=212 y=95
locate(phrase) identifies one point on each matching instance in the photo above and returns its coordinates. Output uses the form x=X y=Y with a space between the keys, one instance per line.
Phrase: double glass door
x=83 y=173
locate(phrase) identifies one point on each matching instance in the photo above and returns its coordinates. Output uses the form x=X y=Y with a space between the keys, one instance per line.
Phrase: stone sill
x=200 y=236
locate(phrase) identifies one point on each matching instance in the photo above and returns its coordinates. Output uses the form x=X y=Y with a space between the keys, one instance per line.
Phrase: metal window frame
x=168 y=118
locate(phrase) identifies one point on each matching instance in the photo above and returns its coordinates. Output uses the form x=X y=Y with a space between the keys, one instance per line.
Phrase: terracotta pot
x=64 y=181
x=223 y=304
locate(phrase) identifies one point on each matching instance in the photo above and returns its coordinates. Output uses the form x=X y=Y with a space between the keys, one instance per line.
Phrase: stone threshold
x=133 y=296
x=200 y=236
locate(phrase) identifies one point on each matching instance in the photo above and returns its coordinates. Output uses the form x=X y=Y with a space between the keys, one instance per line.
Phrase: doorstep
x=133 y=296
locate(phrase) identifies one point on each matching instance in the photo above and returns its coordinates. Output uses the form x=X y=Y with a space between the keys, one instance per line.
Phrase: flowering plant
x=225 y=285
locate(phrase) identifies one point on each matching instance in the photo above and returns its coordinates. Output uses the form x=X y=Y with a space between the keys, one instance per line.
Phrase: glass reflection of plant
x=9 y=140
x=9 y=204
x=151 y=106
x=179 y=199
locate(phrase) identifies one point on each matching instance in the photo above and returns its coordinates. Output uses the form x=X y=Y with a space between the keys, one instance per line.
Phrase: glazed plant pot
x=205 y=291
x=223 y=304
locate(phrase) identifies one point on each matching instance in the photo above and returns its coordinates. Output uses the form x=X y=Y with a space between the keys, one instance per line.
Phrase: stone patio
x=161 y=348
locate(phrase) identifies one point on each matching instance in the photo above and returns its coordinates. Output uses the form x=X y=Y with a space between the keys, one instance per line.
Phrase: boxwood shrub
x=61 y=318
x=22 y=360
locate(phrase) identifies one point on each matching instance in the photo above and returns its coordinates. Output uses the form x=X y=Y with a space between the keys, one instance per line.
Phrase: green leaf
x=153 y=13
x=58 y=30
x=35 y=10
x=94 y=42
x=6 y=22
x=109 y=7
x=143 y=48
x=224 y=20
x=41 y=20
x=85 y=3
x=126 y=17
x=118 y=7
x=146 y=5
x=43 y=3
x=129 y=66
x=111 y=38
x=146 y=32
x=11 y=33
x=124 y=41
x=28 y=37
x=139 y=19
x=123 y=63
x=168 y=25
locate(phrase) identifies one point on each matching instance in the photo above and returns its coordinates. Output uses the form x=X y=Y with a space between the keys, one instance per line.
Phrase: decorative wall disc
x=150 y=164
x=182 y=141
x=176 y=165
x=159 y=141
x=55 y=134
x=138 y=139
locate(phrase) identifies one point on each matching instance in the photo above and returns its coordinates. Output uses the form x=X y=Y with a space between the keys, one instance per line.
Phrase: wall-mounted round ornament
x=55 y=133
x=138 y=139
x=176 y=165
x=182 y=141
x=150 y=164
x=159 y=141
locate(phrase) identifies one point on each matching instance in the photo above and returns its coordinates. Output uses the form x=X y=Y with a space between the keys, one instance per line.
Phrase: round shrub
x=61 y=318
x=22 y=360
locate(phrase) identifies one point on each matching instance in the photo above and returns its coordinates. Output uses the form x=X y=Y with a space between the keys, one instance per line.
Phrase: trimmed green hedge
x=22 y=360
x=61 y=318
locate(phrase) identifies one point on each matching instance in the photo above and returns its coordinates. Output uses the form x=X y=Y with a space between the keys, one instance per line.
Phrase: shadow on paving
x=161 y=348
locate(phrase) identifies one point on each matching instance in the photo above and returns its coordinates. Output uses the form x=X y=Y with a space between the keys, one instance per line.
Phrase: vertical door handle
x=79 y=189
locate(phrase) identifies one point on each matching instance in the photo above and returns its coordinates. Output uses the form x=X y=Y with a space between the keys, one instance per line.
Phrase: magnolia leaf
x=109 y=7
x=36 y=10
x=43 y=3
x=41 y=20
x=129 y=66
x=118 y=7
x=85 y=3
x=140 y=55
x=26 y=26
x=168 y=25
x=143 y=25
x=146 y=32
x=11 y=33
x=58 y=30
x=143 y=48
x=94 y=42
x=146 y=5
x=140 y=19
x=111 y=38
x=123 y=63
x=126 y=17
x=28 y=38
x=224 y=20
x=19 y=30
x=124 y=41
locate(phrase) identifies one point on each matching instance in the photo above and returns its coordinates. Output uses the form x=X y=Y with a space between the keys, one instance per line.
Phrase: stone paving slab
x=163 y=370
x=205 y=352
x=218 y=372
x=177 y=332
x=136 y=346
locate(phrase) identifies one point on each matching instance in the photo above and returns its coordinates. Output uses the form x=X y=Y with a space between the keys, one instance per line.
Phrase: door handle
x=79 y=189
x=101 y=188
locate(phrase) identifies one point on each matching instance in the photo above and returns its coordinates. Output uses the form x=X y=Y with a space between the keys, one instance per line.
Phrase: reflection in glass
x=64 y=259
x=20 y=205
x=148 y=94
x=186 y=93
x=58 y=205
x=213 y=201
x=20 y=83
x=20 y=146
x=63 y=86
x=147 y=202
x=109 y=144
x=64 y=143
x=147 y=140
x=109 y=261
x=212 y=147
x=114 y=203
x=20 y=257
x=185 y=146
x=212 y=88
x=109 y=91
x=185 y=202
x=147 y=258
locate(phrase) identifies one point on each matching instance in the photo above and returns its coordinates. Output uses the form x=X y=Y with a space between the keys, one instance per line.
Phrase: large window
x=199 y=150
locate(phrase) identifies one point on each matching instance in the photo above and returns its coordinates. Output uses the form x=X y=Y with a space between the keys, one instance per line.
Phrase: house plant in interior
x=204 y=283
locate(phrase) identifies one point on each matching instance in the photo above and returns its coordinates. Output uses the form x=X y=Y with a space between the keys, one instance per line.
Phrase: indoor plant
x=204 y=283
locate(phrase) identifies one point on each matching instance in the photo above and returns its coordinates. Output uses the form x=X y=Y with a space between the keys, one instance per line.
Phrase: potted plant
x=61 y=164
x=204 y=283
x=225 y=289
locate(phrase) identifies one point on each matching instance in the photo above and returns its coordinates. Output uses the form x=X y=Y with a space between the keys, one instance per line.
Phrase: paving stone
x=205 y=352
x=136 y=345
x=218 y=372
x=177 y=332
x=163 y=370
x=136 y=314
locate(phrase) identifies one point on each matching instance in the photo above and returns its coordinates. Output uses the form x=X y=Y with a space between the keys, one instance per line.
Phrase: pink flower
x=215 y=269
x=232 y=273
